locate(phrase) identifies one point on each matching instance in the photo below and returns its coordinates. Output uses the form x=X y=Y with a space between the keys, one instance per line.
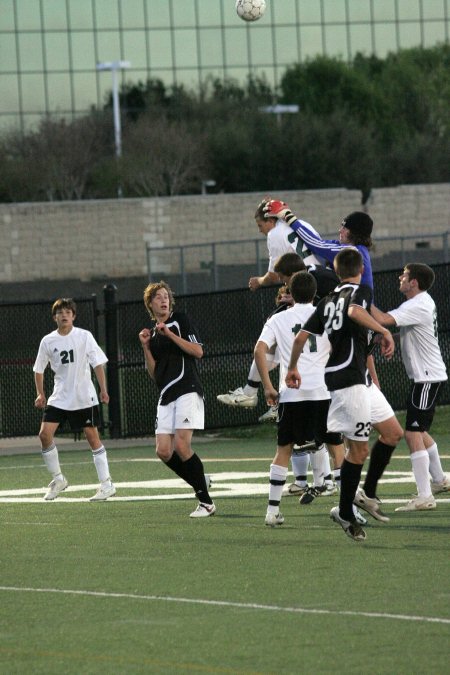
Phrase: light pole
x=280 y=108
x=114 y=67
x=207 y=183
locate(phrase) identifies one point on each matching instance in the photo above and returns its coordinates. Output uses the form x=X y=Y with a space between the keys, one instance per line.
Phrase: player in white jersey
x=302 y=414
x=424 y=365
x=71 y=353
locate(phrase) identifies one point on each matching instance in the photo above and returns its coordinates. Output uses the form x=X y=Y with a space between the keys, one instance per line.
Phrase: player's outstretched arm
x=267 y=280
x=324 y=248
x=382 y=317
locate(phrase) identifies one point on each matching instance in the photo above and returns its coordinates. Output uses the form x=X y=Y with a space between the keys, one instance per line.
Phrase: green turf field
x=136 y=586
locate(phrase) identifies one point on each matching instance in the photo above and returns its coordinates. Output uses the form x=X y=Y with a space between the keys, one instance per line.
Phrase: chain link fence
x=229 y=323
x=226 y=265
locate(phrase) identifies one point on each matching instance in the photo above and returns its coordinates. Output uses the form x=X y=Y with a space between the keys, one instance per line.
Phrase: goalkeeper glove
x=278 y=209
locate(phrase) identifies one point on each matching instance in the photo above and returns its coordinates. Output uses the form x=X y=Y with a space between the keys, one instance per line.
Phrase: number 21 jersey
x=71 y=357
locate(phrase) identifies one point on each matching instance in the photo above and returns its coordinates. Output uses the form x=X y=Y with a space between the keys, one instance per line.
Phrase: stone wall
x=107 y=239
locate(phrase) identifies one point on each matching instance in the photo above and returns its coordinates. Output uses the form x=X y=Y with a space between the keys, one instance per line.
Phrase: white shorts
x=380 y=408
x=349 y=412
x=186 y=412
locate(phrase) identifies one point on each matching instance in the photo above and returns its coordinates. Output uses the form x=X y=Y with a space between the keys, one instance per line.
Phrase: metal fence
x=226 y=265
x=229 y=323
x=23 y=325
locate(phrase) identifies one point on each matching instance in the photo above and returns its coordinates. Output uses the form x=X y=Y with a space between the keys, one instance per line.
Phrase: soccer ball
x=250 y=10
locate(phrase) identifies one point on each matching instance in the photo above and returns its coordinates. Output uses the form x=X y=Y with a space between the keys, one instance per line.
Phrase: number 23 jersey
x=71 y=357
x=346 y=365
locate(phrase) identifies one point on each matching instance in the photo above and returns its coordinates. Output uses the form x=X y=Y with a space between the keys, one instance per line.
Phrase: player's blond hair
x=150 y=293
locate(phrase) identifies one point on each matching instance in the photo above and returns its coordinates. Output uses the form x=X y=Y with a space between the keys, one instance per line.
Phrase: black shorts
x=304 y=421
x=421 y=405
x=77 y=419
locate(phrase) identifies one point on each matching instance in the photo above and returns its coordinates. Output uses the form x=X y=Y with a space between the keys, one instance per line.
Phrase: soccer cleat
x=103 y=492
x=203 y=510
x=371 y=505
x=330 y=489
x=310 y=494
x=238 y=399
x=270 y=416
x=442 y=486
x=419 y=504
x=352 y=530
x=295 y=489
x=56 y=486
x=359 y=516
x=274 y=519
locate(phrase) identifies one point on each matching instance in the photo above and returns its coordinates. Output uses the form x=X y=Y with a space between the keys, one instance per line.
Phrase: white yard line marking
x=224 y=484
x=225 y=603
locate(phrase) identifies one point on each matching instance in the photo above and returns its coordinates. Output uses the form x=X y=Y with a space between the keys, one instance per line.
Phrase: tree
x=162 y=157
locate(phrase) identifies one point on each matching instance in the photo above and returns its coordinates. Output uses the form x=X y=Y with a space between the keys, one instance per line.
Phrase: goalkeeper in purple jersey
x=355 y=230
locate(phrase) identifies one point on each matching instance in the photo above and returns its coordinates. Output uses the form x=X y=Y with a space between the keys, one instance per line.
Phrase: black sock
x=177 y=466
x=379 y=459
x=253 y=383
x=350 y=477
x=196 y=477
x=302 y=478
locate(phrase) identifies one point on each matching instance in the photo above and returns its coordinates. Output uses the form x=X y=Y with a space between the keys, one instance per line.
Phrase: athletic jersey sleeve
x=410 y=314
x=314 y=324
x=268 y=334
x=362 y=297
x=187 y=329
x=42 y=358
x=329 y=248
x=326 y=248
x=95 y=355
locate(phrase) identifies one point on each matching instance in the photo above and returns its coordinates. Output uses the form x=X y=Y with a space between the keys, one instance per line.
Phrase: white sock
x=101 y=464
x=300 y=465
x=317 y=460
x=337 y=477
x=277 y=475
x=420 y=465
x=437 y=473
x=51 y=459
x=327 y=466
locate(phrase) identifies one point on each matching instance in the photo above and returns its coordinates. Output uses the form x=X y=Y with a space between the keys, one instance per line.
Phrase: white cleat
x=203 y=511
x=274 y=519
x=330 y=489
x=295 y=489
x=442 y=486
x=419 y=504
x=55 y=487
x=103 y=492
x=370 y=505
x=359 y=516
x=352 y=530
x=238 y=399
x=270 y=416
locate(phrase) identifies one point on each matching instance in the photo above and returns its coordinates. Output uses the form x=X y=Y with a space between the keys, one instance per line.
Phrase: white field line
x=224 y=484
x=225 y=603
x=112 y=460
